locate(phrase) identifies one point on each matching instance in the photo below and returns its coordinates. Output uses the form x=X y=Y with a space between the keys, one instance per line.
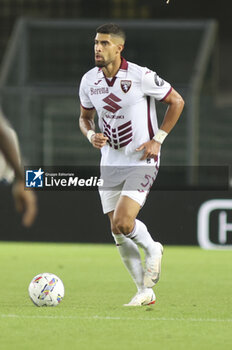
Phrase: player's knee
x=123 y=225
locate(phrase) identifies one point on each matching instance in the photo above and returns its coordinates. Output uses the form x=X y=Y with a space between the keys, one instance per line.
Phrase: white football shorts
x=135 y=185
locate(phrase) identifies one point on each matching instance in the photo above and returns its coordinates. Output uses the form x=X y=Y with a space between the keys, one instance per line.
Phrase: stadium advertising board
x=214 y=230
x=178 y=217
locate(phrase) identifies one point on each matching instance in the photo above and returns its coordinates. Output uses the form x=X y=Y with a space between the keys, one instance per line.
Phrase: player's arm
x=87 y=126
x=175 y=107
x=25 y=201
x=9 y=148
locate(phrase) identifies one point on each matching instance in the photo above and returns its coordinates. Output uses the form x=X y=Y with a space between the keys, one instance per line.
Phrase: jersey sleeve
x=84 y=98
x=153 y=85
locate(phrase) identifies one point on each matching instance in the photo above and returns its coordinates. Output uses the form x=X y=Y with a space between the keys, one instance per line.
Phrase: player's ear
x=120 y=48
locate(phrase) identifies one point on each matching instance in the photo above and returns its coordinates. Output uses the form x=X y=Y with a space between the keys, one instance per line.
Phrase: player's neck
x=111 y=69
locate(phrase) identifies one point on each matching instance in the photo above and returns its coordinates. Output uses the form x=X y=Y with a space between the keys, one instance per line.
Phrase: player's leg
x=130 y=256
x=128 y=250
x=124 y=222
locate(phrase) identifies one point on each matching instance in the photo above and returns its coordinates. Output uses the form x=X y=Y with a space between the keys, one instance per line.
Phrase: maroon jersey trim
x=150 y=129
x=169 y=91
x=88 y=109
x=110 y=82
x=123 y=66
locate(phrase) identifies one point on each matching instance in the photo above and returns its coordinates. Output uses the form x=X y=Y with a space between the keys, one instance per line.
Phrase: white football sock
x=131 y=257
x=142 y=238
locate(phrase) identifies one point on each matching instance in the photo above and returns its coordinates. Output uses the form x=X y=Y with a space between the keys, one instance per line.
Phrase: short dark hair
x=111 y=28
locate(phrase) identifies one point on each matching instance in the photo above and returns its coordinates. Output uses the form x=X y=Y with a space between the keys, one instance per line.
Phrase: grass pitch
x=193 y=308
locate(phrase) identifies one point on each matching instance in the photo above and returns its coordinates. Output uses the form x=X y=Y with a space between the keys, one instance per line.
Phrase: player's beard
x=103 y=63
x=100 y=64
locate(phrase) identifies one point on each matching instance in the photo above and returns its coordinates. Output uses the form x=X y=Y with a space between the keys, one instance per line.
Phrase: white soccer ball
x=46 y=289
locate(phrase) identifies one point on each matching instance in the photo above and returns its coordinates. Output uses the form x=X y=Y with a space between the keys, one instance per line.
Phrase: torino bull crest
x=126 y=85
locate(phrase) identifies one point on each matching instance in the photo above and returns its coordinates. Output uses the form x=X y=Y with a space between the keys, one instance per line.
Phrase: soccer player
x=123 y=94
x=25 y=201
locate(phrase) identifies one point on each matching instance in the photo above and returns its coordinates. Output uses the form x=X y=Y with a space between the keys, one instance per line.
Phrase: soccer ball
x=46 y=289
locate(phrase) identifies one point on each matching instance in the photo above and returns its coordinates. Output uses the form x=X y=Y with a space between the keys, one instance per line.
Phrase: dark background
x=10 y=10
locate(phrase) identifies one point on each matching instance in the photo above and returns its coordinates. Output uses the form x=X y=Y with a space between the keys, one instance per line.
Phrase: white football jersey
x=126 y=109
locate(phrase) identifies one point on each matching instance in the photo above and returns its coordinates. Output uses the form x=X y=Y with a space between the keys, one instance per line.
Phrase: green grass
x=193 y=308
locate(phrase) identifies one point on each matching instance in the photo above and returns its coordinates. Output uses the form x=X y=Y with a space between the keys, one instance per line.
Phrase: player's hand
x=25 y=202
x=151 y=149
x=99 y=140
